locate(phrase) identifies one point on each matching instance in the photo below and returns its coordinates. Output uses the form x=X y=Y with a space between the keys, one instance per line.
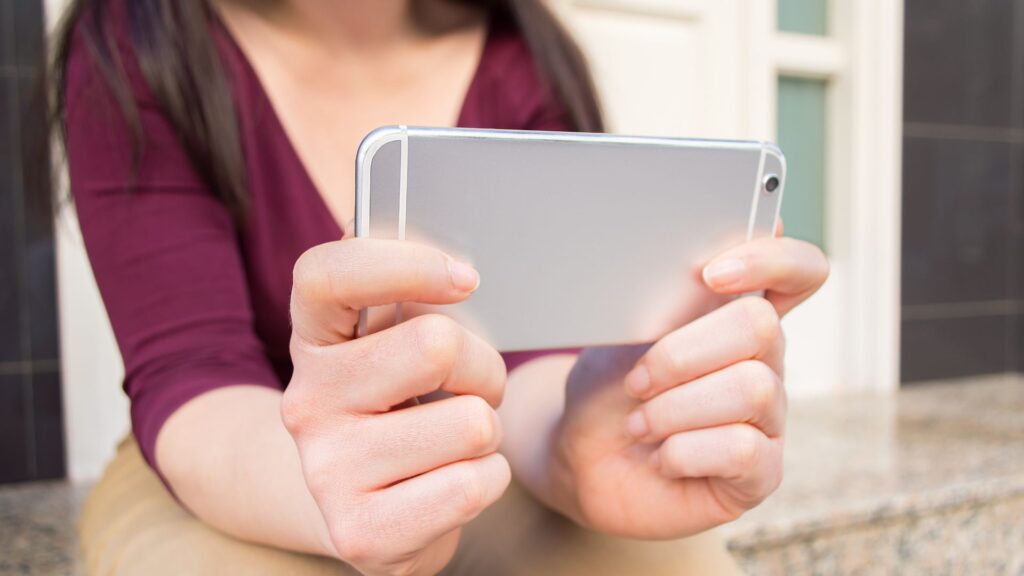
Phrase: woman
x=210 y=148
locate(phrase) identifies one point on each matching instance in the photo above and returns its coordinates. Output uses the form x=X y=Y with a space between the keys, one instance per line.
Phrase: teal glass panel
x=803 y=16
x=803 y=136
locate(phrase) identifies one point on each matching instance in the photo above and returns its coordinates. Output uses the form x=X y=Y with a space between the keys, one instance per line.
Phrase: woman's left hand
x=690 y=435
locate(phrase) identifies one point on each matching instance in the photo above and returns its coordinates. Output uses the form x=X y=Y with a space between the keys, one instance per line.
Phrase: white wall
x=95 y=409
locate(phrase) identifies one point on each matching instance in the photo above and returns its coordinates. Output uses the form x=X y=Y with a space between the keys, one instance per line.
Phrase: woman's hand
x=395 y=481
x=689 y=435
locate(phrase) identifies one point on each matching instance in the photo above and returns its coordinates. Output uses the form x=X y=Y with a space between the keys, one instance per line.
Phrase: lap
x=131 y=525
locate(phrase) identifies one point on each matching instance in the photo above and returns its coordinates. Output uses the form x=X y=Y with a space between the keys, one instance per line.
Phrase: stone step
x=927 y=481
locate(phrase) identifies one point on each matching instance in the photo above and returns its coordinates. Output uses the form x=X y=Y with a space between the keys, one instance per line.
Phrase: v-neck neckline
x=337 y=229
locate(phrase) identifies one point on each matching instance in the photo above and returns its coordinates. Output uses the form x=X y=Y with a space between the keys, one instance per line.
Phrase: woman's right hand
x=395 y=482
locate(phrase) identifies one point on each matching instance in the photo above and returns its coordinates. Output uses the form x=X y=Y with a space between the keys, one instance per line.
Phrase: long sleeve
x=164 y=250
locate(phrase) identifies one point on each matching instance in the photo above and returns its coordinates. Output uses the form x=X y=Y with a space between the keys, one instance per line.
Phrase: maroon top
x=195 y=302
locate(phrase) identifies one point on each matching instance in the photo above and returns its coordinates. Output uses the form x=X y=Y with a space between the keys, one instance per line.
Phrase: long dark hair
x=179 y=60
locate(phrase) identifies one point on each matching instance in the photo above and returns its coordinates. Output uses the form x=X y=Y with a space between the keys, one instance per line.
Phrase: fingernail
x=725 y=272
x=638 y=381
x=636 y=424
x=464 y=277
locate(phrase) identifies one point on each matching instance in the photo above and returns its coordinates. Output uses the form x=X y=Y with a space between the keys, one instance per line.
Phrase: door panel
x=663 y=67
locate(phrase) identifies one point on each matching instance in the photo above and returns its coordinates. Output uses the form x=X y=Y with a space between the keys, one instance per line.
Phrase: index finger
x=788 y=270
x=744 y=329
x=332 y=282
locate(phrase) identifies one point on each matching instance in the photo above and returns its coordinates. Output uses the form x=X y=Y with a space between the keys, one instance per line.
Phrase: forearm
x=530 y=414
x=537 y=427
x=230 y=460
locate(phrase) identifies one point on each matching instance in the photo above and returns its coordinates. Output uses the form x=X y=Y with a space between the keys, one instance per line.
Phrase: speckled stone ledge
x=37 y=528
x=958 y=540
x=928 y=481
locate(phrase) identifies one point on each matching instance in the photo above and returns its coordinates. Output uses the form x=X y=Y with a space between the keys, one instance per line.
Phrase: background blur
x=903 y=123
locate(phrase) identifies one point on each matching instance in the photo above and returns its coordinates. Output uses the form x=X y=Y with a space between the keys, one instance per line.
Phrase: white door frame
x=862 y=61
x=871 y=210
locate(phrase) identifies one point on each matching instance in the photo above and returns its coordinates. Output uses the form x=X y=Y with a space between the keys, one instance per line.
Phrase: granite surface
x=37 y=528
x=960 y=539
x=928 y=481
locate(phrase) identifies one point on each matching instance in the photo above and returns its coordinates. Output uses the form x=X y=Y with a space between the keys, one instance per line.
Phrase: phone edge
x=368 y=147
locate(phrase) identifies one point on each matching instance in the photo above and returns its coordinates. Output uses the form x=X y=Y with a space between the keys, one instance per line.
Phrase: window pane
x=804 y=16
x=802 y=136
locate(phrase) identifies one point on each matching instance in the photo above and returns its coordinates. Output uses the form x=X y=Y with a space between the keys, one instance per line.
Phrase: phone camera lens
x=771 y=184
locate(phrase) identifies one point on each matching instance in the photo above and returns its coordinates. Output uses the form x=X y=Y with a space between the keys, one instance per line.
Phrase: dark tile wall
x=31 y=423
x=963 y=189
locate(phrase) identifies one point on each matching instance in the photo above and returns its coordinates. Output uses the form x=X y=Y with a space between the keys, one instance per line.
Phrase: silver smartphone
x=579 y=239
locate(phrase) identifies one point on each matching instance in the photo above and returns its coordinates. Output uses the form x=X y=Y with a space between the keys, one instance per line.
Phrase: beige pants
x=131 y=526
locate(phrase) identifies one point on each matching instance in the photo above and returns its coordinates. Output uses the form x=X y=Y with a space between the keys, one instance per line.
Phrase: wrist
x=580 y=434
x=532 y=418
x=322 y=535
x=560 y=486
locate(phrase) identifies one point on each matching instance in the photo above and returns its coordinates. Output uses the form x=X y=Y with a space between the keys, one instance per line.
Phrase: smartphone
x=579 y=239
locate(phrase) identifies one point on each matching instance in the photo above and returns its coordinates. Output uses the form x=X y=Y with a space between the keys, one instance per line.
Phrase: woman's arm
x=530 y=414
x=230 y=460
x=340 y=464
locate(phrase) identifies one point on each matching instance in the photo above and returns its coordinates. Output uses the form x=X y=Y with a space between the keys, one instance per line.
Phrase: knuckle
x=308 y=279
x=297 y=347
x=356 y=537
x=765 y=483
x=322 y=457
x=809 y=254
x=438 y=340
x=469 y=491
x=760 y=387
x=311 y=356
x=315 y=473
x=405 y=568
x=732 y=513
x=482 y=423
x=745 y=448
x=668 y=356
x=354 y=548
x=673 y=456
x=661 y=414
x=294 y=413
x=499 y=371
x=318 y=469
x=763 y=320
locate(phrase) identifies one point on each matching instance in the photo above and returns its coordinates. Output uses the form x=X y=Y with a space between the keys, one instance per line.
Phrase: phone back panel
x=579 y=239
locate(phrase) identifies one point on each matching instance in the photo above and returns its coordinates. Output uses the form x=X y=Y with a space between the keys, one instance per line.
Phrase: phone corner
x=773 y=151
x=368 y=148
x=770 y=188
x=376 y=139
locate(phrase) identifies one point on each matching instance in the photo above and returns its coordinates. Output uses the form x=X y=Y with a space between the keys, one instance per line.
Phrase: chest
x=326 y=101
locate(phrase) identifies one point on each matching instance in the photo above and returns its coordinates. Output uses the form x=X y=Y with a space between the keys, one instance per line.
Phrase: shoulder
x=99 y=46
x=104 y=46
x=510 y=89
